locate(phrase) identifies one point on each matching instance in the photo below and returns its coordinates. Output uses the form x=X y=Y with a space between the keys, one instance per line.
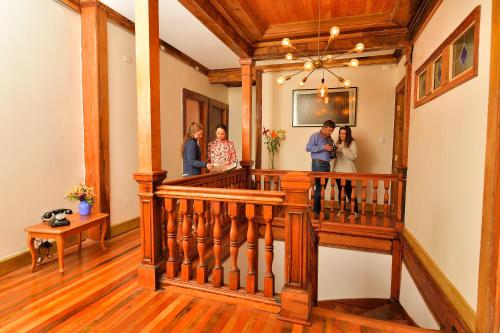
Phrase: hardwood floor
x=99 y=293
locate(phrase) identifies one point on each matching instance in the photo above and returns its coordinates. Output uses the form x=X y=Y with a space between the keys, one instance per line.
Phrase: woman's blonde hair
x=192 y=129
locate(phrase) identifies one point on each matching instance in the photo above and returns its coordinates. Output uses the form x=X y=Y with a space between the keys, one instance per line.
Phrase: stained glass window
x=463 y=52
x=422 y=84
x=438 y=69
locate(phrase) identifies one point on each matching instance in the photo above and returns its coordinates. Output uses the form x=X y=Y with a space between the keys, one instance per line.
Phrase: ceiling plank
x=242 y=18
x=208 y=14
x=373 y=40
x=346 y=24
x=422 y=17
x=404 y=11
x=232 y=76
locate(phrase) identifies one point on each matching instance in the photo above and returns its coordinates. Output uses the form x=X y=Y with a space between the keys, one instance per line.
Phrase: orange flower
x=274 y=134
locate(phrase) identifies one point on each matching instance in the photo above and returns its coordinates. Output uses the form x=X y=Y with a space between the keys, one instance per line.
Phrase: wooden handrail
x=205 y=178
x=272 y=198
x=340 y=175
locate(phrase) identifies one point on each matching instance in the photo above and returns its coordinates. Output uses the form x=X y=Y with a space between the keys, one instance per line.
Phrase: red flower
x=274 y=134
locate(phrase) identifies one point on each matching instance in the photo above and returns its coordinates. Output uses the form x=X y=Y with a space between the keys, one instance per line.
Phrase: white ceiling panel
x=181 y=29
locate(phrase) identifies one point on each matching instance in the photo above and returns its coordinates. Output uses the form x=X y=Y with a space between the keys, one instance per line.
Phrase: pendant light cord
x=319 y=22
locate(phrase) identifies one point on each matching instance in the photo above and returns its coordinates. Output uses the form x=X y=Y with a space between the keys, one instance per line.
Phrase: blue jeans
x=322 y=166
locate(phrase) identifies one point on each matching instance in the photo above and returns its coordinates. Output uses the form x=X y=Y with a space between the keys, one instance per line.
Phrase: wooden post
x=150 y=174
x=246 y=112
x=408 y=84
x=488 y=302
x=296 y=296
x=258 y=120
x=95 y=104
x=396 y=268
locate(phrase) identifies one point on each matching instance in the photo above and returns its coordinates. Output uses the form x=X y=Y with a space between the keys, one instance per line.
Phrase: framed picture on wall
x=310 y=110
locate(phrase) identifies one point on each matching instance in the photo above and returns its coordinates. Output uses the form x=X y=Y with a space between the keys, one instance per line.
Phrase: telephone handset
x=57 y=217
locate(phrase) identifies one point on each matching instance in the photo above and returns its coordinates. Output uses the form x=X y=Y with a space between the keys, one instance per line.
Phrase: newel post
x=296 y=296
x=150 y=174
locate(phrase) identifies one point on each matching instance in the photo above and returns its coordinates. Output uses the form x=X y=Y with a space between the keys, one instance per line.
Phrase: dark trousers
x=347 y=193
x=322 y=166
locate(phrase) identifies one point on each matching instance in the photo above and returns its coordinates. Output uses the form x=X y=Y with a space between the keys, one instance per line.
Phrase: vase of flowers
x=273 y=140
x=85 y=195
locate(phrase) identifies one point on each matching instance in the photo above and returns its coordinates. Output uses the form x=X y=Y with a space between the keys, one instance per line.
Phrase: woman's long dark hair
x=348 y=136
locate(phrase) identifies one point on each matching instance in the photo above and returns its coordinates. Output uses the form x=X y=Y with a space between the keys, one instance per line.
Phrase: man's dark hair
x=329 y=123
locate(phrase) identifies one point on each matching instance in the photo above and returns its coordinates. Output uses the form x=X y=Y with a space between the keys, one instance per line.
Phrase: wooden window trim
x=433 y=65
x=444 y=51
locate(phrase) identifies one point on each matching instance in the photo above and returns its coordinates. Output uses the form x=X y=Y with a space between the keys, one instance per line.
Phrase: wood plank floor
x=99 y=293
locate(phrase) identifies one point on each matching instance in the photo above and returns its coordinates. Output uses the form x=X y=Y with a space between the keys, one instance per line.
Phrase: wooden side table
x=78 y=224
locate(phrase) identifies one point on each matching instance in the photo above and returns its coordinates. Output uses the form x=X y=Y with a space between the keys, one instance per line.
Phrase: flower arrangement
x=81 y=193
x=273 y=139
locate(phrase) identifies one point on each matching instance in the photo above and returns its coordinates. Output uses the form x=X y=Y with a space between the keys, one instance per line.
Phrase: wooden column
x=150 y=174
x=246 y=112
x=488 y=303
x=95 y=104
x=258 y=120
x=296 y=296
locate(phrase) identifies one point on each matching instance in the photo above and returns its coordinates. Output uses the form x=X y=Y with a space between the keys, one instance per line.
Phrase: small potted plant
x=85 y=195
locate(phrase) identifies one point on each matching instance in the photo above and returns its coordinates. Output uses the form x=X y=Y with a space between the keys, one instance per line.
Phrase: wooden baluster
x=218 y=271
x=257 y=182
x=266 y=183
x=251 y=250
x=374 y=201
x=186 y=238
x=322 y=198
x=386 y=197
x=269 y=239
x=172 y=263
x=234 y=274
x=352 y=201
x=332 y=198
x=363 y=201
x=342 y=200
x=201 y=234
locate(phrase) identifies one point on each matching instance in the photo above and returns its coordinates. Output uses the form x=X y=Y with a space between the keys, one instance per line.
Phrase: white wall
x=446 y=157
x=41 y=121
x=174 y=76
x=123 y=157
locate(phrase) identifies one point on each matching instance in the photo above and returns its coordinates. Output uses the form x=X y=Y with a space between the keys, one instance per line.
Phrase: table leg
x=31 y=247
x=104 y=226
x=60 y=253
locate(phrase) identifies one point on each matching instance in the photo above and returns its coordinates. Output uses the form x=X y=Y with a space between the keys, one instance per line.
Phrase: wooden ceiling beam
x=208 y=14
x=422 y=17
x=231 y=77
x=373 y=40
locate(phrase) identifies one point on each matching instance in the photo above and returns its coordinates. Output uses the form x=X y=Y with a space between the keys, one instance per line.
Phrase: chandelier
x=321 y=61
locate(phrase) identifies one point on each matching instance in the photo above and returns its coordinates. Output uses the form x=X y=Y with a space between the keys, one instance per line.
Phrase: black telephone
x=57 y=217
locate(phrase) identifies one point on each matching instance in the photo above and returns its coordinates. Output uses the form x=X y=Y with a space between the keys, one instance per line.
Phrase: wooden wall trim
x=425 y=12
x=446 y=303
x=258 y=120
x=126 y=24
x=488 y=303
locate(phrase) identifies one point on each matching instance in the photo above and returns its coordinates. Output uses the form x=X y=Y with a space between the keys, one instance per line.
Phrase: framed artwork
x=310 y=110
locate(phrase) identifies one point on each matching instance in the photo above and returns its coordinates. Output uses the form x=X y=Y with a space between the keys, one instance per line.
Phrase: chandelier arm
x=329 y=71
x=297 y=72
x=341 y=54
x=307 y=76
x=326 y=48
x=303 y=54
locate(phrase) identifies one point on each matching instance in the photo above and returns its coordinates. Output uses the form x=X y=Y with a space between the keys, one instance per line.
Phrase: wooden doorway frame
x=205 y=103
x=488 y=300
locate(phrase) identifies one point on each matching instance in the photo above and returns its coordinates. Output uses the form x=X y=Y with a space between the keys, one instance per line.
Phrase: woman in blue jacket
x=191 y=152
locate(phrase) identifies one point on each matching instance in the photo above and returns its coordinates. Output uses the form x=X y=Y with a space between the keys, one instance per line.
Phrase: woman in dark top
x=191 y=153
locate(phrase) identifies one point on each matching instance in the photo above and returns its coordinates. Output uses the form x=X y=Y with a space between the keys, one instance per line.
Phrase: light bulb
x=301 y=83
x=347 y=83
x=280 y=80
x=360 y=47
x=285 y=42
x=308 y=65
x=289 y=56
x=354 y=63
x=326 y=100
x=322 y=89
x=334 y=31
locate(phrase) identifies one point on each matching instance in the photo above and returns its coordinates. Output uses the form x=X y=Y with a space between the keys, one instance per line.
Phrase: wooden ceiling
x=255 y=28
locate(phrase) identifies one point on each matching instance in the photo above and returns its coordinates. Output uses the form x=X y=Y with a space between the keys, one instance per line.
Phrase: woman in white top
x=347 y=153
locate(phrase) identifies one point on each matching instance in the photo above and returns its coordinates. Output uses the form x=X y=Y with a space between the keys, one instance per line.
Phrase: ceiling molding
x=208 y=14
x=231 y=77
x=373 y=40
x=422 y=17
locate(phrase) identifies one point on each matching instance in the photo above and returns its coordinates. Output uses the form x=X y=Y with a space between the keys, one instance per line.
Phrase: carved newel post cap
x=296 y=181
x=246 y=164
